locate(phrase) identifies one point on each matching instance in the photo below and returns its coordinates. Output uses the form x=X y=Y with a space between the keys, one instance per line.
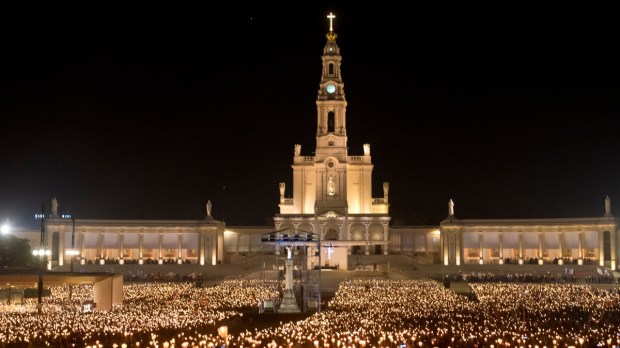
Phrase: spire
x=331 y=103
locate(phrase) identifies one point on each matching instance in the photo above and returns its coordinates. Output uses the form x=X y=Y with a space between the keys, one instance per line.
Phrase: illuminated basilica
x=331 y=201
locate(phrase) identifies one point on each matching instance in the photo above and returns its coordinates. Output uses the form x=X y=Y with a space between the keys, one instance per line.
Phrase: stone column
x=561 y=243
x=386 y=230
x=540 y=245
x=520 y=244
x=202 y=251
x=480 y=246
x=501 y=246
x=443 y=240
x=81 y=244
x=366 y=238
x=458 y=247
x=346 y=228
x=612 y=245
x=601 y=249
x=160 y=253
x=213 y=239
x=288 y=277
x=349 y=248
x=100 y=244
x=580 y=239
x=61 y=248
x=121 y=241
x=180 y=248
x=140 y=244
x=220 y=246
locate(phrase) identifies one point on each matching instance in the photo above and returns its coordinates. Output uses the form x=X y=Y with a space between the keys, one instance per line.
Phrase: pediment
x=331 y=215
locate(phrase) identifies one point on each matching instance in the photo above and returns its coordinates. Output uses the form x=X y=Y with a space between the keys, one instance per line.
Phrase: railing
x=378 y=200
x=286 y=201
x=308 y=159
x=354 y=159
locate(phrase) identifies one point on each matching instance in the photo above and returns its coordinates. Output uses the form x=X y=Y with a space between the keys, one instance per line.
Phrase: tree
x=15 y=252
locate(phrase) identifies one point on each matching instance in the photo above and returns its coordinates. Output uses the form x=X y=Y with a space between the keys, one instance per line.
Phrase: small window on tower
x=331 y=122
x=330 y=143
x=331 y=68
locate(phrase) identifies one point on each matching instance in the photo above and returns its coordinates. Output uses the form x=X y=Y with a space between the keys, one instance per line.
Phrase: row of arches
x=332 y=231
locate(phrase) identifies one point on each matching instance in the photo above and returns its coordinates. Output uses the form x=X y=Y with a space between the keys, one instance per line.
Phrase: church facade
x=332 y=190
x=331 y=203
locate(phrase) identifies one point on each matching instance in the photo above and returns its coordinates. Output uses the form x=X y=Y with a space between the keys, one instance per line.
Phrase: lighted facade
x=593 y=240
x=331 y=198
x=332 y=190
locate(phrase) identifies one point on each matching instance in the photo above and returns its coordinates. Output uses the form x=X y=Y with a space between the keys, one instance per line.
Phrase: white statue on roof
x=54 y=207
x=209 y=207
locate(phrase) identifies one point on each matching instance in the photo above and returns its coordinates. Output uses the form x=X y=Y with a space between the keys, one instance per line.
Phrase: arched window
x=331 y=234
x=331 y=68
x=331 y=122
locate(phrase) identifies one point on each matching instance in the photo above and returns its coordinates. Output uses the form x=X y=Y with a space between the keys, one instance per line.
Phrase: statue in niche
x=209 y=206
x=54 y=207
x=366 y=149
x=297 y=150
x=331 y=190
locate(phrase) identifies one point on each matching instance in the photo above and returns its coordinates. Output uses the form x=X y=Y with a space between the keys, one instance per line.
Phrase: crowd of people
x=363 y=313
x=145 y=277
x=146 y=309
x=146 y=261
x=524 y=277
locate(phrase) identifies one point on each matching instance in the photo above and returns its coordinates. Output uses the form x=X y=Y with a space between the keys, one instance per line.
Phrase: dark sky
x=148 y=113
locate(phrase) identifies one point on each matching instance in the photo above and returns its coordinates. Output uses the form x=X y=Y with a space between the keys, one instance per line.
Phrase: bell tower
x=332 y=190
x=331 y=130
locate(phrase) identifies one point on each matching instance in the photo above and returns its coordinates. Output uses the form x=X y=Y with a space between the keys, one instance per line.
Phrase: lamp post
x=72 y=252
x=5 y=230
x=41 y=252
x=72 y=241
x=315 y=230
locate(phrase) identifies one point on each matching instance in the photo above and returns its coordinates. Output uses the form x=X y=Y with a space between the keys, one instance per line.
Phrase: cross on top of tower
x=331 y=23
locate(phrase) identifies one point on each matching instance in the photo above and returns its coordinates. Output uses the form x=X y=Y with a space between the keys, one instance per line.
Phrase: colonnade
x=205 y=237
x=342 y=226
x=453 y=248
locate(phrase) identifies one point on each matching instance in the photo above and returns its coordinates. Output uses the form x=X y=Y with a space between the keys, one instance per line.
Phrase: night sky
x=147 y=114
